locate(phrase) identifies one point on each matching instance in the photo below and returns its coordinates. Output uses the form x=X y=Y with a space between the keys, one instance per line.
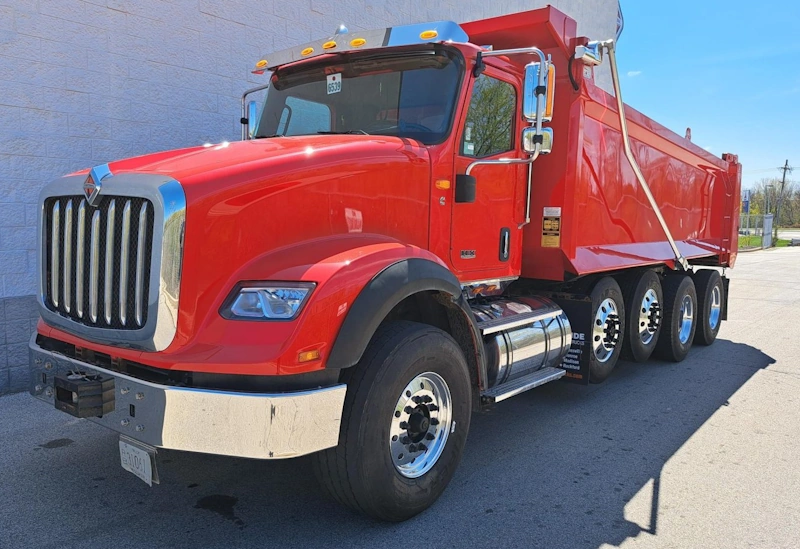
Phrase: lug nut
x=405 y=440
x=429 y=436
x=433 y=408
x=404 y=425
x=412 y=448
x=426 y=399
x=408 y=410
x=417 y=400
x=434 y=421
x=422 y=447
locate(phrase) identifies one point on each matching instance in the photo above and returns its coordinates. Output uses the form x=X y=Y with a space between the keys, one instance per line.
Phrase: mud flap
x=578 y=309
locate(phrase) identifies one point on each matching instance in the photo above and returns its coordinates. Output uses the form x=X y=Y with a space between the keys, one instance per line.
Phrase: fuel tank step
x=521 y=384
x=494 y=325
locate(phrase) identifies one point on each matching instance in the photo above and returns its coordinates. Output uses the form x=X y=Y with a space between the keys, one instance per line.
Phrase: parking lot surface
x=705 y=453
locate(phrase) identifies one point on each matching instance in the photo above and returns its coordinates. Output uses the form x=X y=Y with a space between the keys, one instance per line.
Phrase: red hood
x=200 y=163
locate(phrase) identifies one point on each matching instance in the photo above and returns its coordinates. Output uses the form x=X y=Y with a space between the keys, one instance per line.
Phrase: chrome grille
x=97 y=260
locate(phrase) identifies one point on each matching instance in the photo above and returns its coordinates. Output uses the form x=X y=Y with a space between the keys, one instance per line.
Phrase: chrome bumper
x=262 y=426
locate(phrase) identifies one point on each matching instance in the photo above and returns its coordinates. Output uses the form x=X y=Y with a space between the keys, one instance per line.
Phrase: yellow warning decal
x=551 y=232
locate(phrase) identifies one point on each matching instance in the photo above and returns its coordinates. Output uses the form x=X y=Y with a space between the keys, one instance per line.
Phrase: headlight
x=267 y=301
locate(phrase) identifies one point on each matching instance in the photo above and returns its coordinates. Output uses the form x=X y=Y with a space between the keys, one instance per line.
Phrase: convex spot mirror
x=529 y=140
x=530 y=103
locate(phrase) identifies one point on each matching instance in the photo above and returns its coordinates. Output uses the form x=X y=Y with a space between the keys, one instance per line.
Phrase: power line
x=786 y=169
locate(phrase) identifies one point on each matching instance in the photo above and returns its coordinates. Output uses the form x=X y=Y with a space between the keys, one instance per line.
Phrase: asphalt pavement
x=705 y=453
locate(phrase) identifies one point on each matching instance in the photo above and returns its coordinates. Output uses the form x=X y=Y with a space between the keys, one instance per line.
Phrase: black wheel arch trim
x=381 y=294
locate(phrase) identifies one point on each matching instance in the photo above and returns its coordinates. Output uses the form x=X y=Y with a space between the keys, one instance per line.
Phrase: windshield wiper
x=351 y=132
x=268 y=136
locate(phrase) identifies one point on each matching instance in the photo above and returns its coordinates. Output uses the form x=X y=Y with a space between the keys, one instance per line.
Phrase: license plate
x=139 y=461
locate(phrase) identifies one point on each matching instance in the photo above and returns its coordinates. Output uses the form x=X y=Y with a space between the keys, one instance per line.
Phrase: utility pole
x=786 y=169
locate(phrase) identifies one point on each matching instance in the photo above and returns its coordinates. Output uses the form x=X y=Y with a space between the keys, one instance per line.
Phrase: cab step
x=522 y=384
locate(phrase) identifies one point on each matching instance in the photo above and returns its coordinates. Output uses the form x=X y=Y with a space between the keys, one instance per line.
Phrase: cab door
x=486 y=237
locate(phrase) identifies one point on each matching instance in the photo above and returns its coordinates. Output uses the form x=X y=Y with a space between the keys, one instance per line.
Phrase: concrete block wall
x=84 y=82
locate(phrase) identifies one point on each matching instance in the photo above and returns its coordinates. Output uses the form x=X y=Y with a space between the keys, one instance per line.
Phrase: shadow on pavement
x=554 y=467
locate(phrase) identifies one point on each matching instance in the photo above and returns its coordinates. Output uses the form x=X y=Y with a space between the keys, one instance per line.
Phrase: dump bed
x=589 y=213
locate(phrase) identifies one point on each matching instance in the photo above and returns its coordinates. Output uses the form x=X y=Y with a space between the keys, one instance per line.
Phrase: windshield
x=411 y=95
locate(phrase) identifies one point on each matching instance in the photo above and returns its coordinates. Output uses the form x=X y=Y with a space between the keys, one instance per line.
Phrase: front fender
x=359 y=280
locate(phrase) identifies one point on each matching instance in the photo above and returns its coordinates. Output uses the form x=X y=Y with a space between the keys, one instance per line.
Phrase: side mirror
x=529 y=140
x=466 y=186
x=252 y=118
x=532 y=94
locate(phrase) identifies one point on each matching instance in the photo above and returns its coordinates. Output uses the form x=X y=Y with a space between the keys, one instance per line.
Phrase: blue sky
x=727 y=69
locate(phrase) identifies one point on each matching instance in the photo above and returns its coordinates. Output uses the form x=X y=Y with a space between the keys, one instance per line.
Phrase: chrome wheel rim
x=421 y=422
x=605 y=330
x=649 y=316
x=687 y=318
x=716 y=308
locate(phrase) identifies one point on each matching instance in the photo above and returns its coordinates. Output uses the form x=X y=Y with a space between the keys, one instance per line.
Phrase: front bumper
x=262 y=426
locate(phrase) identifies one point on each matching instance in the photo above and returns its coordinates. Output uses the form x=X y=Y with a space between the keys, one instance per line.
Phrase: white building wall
x=84 y=82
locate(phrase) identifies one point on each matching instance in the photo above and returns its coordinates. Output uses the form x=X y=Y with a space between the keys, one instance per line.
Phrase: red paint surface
x=338 y=209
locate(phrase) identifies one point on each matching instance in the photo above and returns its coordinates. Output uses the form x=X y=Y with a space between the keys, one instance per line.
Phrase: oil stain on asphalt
x=57 y=443
x=222 y=505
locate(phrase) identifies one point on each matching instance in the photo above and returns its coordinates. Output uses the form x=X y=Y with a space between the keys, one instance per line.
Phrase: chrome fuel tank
x=523 y=349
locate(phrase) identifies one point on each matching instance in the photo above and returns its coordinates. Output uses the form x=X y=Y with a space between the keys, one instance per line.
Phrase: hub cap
x=421 y=423
x=687 y=318
x=605 y=331
x=649 y=317
x=716 y=308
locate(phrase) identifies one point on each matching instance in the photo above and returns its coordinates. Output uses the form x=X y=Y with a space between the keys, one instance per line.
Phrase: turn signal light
x=308 y=356
x=443 y=184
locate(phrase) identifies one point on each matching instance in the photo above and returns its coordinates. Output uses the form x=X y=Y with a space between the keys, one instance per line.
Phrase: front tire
x=404 y=425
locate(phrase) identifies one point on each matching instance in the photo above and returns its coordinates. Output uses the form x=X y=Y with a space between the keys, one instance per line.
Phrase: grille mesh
x=97 y=260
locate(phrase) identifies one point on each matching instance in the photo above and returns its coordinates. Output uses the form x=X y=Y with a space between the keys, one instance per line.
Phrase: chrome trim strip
x=123 y=263
x=94 y=265
x=54 y=255
x=68 y=257
x=140 y=242
x=251 y=425
x=108 y=282
x=168 y=201
x=80 y=259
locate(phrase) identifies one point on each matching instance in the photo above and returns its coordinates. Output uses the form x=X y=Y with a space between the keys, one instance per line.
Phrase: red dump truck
x=419 y=222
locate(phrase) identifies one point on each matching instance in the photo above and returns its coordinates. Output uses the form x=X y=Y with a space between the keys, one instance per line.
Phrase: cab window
x=489 y=128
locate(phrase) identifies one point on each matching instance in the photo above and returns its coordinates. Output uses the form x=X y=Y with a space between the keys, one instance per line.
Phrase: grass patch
x=751 y=241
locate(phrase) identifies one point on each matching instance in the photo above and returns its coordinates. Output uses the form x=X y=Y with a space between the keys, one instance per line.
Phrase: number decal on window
x=334 y=83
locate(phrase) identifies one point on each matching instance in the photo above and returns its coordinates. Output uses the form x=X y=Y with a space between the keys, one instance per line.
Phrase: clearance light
x=551 y=92
x=428 y=34
x=443 y=184
x=308 y=356
x=357 y=42
x=261 y=64
x=307 y=51
x=329 y=45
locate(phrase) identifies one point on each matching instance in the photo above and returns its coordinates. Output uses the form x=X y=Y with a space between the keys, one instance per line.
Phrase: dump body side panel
x=606 y=221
